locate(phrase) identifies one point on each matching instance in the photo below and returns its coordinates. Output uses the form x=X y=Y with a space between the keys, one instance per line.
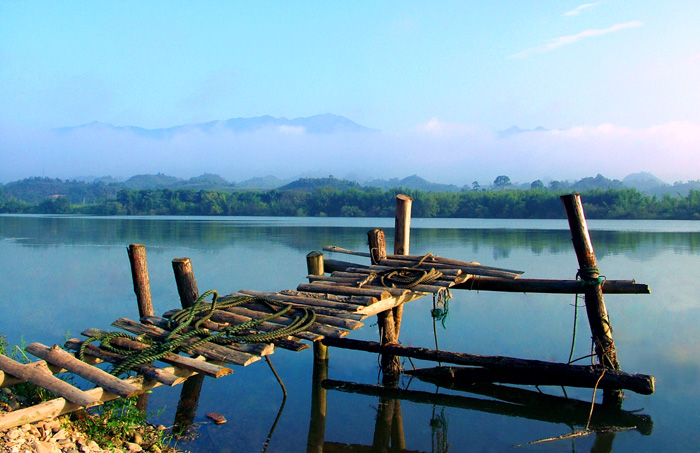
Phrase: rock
x=133 y=447
x=137 y=438
x=218 y=418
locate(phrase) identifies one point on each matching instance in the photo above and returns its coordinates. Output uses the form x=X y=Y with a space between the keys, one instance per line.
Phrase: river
x=63 y=274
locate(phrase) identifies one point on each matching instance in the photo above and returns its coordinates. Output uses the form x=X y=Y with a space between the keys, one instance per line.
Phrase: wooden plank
x=8 y=380
x=343 y=308
x=43 y=378
x=97 y=376
x=390 y=303
x=525 y=285
x=210 y=351
x=316 y=328
x=181 y=362
x=331 y=265
x=475 y=270
x=261 y=349
x=447 y=272
x=432 y=287
x=148 y=371
x=322 y=316
x=379 y=293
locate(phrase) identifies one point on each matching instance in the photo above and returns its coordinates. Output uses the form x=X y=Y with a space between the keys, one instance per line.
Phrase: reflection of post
x=603 y=443
x=398 y=441
x=595 y=304
x=142 y=288
x=317 y=424
x=189 y=396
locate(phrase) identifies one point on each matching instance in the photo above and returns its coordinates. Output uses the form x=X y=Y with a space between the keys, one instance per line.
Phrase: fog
x=438 y=151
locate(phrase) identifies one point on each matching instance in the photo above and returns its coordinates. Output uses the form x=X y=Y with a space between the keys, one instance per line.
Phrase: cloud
x=570 y=39
x=447 y=152
x=576 y=11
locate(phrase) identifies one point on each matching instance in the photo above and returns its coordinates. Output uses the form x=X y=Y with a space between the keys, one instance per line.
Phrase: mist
x=438 y=151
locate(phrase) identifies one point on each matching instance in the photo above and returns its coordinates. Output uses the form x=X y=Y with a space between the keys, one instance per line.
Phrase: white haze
x=437 y=151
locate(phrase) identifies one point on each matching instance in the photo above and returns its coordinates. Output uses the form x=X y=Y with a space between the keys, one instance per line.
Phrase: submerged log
x=550 y=374
x=639 y=383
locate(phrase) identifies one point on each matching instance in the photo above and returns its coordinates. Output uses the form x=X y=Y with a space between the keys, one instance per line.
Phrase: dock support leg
x=142 y=289
x=402 y=241
x=192 y=387
x=314 y=266
x=598 y=319
x=317 y=423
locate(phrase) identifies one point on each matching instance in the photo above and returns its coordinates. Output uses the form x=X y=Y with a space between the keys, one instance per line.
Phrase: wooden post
x=186 y=283
x=314 y=266
x=142 y=288
x=191 y=389
x=139 y=275
x=377 y=245
x=402 y=226
x=601 y=329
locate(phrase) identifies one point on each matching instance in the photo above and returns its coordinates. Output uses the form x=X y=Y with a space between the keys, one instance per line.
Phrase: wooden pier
x=340 y=295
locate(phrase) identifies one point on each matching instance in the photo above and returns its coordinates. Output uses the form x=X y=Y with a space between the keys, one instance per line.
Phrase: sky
x=614 y=83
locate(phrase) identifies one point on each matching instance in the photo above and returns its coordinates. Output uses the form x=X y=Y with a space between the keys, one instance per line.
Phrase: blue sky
x=606 y=77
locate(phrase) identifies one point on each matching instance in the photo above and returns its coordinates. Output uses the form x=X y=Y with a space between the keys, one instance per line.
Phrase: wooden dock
x=340 y=294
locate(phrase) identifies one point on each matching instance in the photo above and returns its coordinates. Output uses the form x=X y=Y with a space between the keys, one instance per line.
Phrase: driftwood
x=639 y=383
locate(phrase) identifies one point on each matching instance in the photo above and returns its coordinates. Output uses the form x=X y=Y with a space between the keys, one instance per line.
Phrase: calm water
x=61 y=275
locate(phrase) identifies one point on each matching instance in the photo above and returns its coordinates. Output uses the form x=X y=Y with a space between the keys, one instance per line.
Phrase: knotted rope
x=239 y=333
x=403 y=277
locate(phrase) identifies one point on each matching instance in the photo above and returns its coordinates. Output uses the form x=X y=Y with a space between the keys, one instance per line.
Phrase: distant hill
x=309 y=184
x=319 y=124
x=412 y=182
x=261 y=183
x=159 y=181
x=643 y=181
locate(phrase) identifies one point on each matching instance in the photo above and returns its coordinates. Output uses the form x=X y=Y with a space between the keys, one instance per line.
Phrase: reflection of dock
x=338 y=298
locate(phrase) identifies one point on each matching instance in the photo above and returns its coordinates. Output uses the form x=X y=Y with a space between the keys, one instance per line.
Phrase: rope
x=240 y=333
x=590 y=276
x=404 y=277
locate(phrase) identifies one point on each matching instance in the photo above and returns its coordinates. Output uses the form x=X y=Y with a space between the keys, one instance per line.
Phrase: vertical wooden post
x=377 y=245
x=139 y=275
x=192 y=387
x=598 y=319
x=142 y=288
x=314 y=266
x=186 y=283
x=402 y=225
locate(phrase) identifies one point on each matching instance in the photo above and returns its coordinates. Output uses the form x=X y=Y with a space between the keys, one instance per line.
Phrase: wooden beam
x=525 y=285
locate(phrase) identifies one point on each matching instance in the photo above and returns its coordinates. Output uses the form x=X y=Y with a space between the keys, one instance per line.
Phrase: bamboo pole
x=598 y=319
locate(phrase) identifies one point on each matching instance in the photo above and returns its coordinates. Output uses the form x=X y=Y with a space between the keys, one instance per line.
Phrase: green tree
x=502 y=182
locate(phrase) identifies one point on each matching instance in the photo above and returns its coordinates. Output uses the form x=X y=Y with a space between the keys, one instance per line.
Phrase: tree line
x=536 y=203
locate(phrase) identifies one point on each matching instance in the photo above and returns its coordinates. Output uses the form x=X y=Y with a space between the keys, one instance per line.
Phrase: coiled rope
x=239 y=333
x=404 y=277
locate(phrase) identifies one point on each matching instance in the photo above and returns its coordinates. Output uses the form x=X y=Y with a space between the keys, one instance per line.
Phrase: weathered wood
x=43 y=378
x=188 y=402
x=261 y=349
x=186 y=283
x=148 y=371
x=447 y=273
x=316 y=328
x=433 y=287
x=139 y=275
x=525 y=285
x=329 y=307
x=8 y=380
x=402 y=224
x=474 y=270
x=643 y=384
x=181 y=362
x=549 y=374
x=547 y=408
x=209 y=350
x=314 y=263
x=390 y=364
x=601 y=329
x=332 y=265
x=61 y=406
x=390 y=303
x=377 y=245
x=322 y=316
x=379 y=293
x=59 y=357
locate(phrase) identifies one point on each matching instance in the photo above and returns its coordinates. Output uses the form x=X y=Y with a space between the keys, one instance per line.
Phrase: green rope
x=590 y=276
x=441 y=307
x=181 y=320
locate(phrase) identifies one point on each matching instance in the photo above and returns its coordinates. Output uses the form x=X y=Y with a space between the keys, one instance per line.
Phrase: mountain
x=309 y=184
x=643 y=181
x=515 y=130
x=159 y=181
x=261 y=183
x=319 y=124
x=412 y=182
